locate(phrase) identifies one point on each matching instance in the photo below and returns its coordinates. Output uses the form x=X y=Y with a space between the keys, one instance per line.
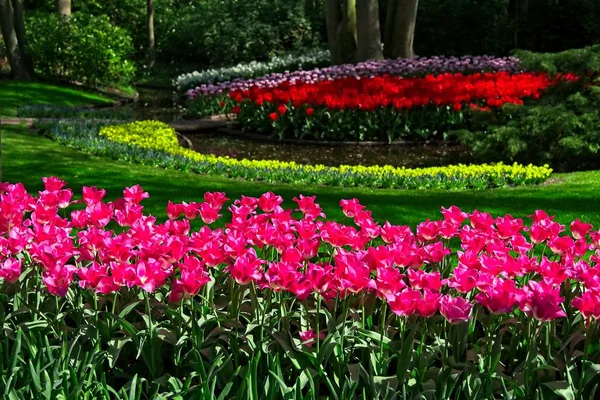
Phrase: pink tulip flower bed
x=470 y=305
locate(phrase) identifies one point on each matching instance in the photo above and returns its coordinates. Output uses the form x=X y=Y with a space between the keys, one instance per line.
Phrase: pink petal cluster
x=501 y=264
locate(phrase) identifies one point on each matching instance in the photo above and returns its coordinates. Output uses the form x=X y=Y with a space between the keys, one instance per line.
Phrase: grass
x=14 y=94
x=28 y=157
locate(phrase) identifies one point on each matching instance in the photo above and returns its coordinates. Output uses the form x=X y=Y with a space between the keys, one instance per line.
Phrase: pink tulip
x=454 y=215
x=10 y=270
x=420 y=280
x=463 y=279
x=588 y=304
x=508 y=226
x=542 y=301
x=135 y=194
x=53 y=183
x=320 y=277
x=580 y=229
x=482 y=222
x=308 y=337
x=174 y=210
x=389 y=282
x=246 y=268
x=308 y=207
x=150 y=275
x=58 y=279
x=269 y=202
x=394 y=234
x=500 y=296
x=455 y=309
x=428 y=230
x=209 y=213
x=429 y=304
x=351 y=207
x=92 y=195
x=405 y=303
x=215 y=199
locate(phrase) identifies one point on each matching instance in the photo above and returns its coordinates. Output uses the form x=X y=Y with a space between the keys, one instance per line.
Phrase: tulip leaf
x=129 y=307
x=562 y=389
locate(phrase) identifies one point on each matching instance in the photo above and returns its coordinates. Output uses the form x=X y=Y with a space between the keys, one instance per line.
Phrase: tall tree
x=19 y=24
x=150 y=17
x=368 y=31
x=400 y=33
x=7 y=24
x=341 y=30
x=63 y=7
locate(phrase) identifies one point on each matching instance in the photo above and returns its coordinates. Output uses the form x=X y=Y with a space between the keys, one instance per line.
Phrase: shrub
x=87 y=49
x=104 y=301
x=583 y=61
x=563 y=131
x=155 y=143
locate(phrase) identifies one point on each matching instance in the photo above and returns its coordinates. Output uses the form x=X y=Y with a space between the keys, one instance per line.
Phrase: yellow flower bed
x=155 y=135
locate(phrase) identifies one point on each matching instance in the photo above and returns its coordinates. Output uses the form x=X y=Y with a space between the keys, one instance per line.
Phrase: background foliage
x=223 y=33
x=87 y=49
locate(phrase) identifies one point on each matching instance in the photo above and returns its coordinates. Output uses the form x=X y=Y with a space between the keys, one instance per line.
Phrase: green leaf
x=114 y=350
x=562 y=389
x=167 y=335
x=299 y=360
x=128 y=308
x=405 y=356
x=35 y=377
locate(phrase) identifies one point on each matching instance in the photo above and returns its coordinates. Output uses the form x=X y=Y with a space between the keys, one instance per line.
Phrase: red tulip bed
x=248 y=299
x=381 y=107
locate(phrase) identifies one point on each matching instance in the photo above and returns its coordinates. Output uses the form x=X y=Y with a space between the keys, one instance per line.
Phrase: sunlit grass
x=28 y=157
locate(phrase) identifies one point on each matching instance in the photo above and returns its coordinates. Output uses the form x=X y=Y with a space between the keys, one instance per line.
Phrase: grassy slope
x=14 y=94
x=28 y=157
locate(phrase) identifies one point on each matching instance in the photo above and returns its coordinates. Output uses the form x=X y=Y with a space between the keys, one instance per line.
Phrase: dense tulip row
x=248 y=299
x=382 y=107
x=397 y=67
x=499 y=264
x=251 y=70
x=456 y=90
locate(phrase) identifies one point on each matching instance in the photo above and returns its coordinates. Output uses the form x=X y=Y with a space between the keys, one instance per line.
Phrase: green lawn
x=28 y=157
x=14 y=94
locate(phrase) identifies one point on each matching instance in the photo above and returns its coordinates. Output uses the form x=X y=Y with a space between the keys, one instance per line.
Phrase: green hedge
x=86 y=49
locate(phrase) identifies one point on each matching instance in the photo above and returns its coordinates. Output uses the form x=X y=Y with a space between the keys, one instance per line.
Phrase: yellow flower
x=155 y=135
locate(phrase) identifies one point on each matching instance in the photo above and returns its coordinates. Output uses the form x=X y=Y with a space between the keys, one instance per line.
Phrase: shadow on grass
x=14 y=94
x=27 y=158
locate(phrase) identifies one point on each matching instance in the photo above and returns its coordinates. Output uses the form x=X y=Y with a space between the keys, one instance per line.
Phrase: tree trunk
x=64 y=8
x=346 y=35
x=15 y=59
x=341 y=30
x=404 y=29
x=19 y=24
x=333 y=14
x=368 y=31
x=150 y=15
x=388 y=34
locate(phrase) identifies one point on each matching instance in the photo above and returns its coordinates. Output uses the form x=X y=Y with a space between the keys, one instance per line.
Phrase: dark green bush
x=562 y=130
x=86 y=49
x=583 y=61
